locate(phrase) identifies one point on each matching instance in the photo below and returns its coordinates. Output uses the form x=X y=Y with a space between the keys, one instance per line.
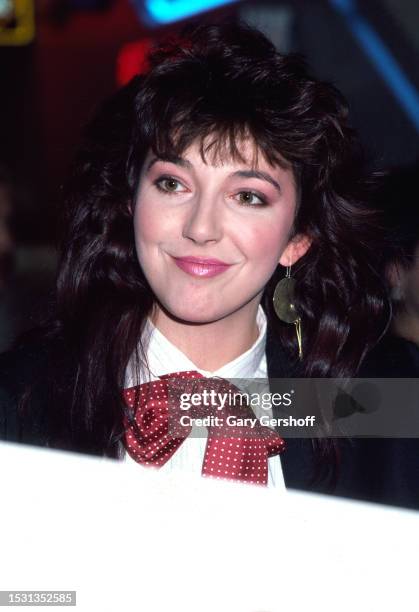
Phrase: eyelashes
x=246 y=197
x=169 y=182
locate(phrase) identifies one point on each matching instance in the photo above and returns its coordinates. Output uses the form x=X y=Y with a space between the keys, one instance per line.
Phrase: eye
x=169 y=184
x=250 y=198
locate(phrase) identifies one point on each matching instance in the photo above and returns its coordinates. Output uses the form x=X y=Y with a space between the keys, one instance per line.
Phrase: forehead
x=217 y=151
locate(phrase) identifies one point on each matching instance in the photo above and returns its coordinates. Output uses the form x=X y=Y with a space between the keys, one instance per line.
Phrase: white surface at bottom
x=129 y=538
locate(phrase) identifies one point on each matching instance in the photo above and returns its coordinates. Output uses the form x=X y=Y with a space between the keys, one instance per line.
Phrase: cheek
x=267 y=242
x=147 y=222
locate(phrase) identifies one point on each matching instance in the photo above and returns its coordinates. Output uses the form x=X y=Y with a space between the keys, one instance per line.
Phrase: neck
x=406 y=325
x=211 y=345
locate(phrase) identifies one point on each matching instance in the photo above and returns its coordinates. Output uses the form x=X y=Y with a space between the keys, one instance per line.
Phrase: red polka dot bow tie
x=238 y=446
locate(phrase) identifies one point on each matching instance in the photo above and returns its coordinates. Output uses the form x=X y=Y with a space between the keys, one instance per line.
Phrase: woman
x=223 y=150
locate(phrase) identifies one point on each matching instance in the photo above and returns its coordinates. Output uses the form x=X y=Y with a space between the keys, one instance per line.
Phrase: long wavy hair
x=215 y=84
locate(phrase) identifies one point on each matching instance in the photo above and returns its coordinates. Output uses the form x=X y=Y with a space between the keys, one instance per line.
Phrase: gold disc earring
x=284 y=307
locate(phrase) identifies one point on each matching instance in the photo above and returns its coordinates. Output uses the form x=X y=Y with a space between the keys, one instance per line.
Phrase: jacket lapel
x=298 y=458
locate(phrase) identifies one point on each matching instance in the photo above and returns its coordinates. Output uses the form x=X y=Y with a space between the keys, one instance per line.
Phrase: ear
x=295 y=249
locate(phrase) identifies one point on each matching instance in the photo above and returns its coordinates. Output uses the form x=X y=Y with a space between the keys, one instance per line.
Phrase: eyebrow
x=184 y=163
x=179 y=161
x=263 y=176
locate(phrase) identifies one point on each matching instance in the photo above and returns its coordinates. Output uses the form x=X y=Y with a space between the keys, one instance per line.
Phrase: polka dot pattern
x=232 y=452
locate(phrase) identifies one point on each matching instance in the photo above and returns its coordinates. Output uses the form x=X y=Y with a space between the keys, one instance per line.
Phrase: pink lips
x=200 y=266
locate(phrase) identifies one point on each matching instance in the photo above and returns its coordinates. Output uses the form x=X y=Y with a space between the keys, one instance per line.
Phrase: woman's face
x=230 y=211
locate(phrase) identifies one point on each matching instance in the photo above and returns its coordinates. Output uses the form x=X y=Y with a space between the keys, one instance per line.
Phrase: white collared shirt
x=164 y=357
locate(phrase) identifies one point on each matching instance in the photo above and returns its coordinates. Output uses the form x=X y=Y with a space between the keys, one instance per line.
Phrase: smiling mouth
x=200 y=268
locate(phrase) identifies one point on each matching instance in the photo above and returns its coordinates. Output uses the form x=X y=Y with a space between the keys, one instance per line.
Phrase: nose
x=203 y=220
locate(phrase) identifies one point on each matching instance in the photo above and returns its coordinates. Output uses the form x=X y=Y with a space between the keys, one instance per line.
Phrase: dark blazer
x=381 y=470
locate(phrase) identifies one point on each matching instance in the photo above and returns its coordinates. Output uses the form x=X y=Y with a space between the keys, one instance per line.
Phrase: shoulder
x=381 y=470
x=24 y=369
x=20 y=365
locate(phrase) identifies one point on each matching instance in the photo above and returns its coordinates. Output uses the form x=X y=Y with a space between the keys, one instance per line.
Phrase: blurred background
x=60 y=58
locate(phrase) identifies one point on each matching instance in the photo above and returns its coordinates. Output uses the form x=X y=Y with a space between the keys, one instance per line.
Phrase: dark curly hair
x=215 y=84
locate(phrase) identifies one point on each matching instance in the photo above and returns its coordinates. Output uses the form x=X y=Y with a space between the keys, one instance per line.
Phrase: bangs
x=208 y=98
x=195 y=103
x=219 y=142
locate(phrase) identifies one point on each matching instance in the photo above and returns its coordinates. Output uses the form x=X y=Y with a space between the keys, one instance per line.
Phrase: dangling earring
x=284 y=306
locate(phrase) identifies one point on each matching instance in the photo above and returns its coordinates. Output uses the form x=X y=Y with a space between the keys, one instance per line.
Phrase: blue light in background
x=166 y=11
x=381 y=57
